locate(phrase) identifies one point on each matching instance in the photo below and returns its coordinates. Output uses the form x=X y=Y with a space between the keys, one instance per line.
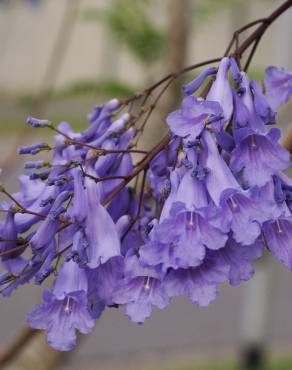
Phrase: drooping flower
x=278 y=234
x=221 y=91
x=239 y=258
x=259 y=156
x=102 y=283
x=181 y=241
x=278 y=85
x=199 y=283
x=12 y=262
x=46 y=232
x=194 y=115
x=211 y=198
x=195 y=84
x=37 y=123
x=64 y=309
x=262 y=107
x=140 y=290
x=100 y=231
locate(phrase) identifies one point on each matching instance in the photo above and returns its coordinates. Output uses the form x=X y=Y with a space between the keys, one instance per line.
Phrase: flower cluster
x=203 y=210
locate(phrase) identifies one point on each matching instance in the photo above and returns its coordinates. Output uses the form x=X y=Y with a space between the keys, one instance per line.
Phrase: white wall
x=28 y=34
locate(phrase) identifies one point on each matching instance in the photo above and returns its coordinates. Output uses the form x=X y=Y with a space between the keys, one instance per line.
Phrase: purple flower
x=79 y=250
x=211 y=197
x=278 y=236
x=283 y=191
x=199 y=283
x=160 y=186
x=278 y=85
x=114 y=129
x=195 y=114
x=46 y=232
x=241 y=213
x=262 y=107
x=192 y=189
x=33 y=201
x=8 y=232
x=100 y=120
x=46 y=263
x=235 y=71
x=221 y=91
x=33 y=149
x=34 y=165
x=100 y=230
x=122 y=204
x=140 y=290
x=259 y=156
x=225 y=141
x=241 y=114
x=194 y=85
x=181 y=252
x=246 y=112
x=139 y=295
x=78 y=212
x=12 y=262
x=219 y=178
x=174 y=184
x=64 y=309
x=29 y=190
x=26 y=271
x=239 y=258
x=102 y=283
x=165 y=158
x=181 y=241
x=37 y=123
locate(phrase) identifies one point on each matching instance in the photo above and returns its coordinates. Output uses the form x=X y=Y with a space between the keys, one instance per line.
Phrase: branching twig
x=135 y=219
x=143 y=165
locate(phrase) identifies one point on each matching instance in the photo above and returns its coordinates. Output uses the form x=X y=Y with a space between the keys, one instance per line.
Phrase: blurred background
x=58 y=59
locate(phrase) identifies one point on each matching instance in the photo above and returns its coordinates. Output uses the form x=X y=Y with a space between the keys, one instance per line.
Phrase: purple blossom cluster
x=208 y=204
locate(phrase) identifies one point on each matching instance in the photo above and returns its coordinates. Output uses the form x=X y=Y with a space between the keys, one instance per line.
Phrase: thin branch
x=239 y=31
x=100 y=151
x=135 y=219
x=15 y=249
x=253 y=50
x=143 y=165
x=16 y=344
x=20 y=209
x=169 y=76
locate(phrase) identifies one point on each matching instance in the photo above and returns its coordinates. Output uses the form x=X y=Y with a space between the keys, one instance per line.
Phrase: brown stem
x=263 y=27
x=153 y=106
x=143 y=164
x=132 y=223
x=256 y=35
x=169 y=76
x=253 y=50
x=16 y=344
x=21 y=208
x=100 y=151
x=15 y=249
x=239 y=31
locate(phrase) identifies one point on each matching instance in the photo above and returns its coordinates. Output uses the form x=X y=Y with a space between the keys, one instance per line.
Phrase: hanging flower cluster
x=207 y=203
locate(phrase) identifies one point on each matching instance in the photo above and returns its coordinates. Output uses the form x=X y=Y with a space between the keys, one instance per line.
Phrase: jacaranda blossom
x=112 y=225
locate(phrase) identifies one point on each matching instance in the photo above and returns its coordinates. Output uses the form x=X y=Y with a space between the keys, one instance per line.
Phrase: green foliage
x=130 y=24
x=207 y=8
x=105 y=88
x=274 y=364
